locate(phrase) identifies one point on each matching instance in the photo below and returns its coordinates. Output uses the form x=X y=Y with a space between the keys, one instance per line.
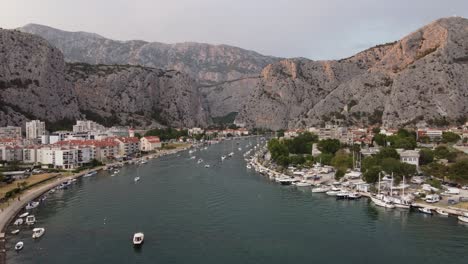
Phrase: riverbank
x=14 y=206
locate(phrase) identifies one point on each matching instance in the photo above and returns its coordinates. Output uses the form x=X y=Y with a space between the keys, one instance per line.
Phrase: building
x=64 y=157
x=434 y=134
x=128 y=146
x=10 y=132
x=195 y=131
x=87 y=126
x=409 y=156
x=11 y=153
x=35 y=129
x=150 y=143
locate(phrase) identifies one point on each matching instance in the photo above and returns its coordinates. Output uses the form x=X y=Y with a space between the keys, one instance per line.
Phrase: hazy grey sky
x=316 y=29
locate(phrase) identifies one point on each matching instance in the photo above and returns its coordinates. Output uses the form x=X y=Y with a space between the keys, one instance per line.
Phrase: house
x=409 y=156
x=195 y=131
x=128 y=146
x=150 y=143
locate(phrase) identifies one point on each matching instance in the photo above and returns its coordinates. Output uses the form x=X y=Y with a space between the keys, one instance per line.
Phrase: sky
x=314 y=29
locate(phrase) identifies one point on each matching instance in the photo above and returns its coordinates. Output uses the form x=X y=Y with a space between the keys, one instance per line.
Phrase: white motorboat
x=231 y=154
x=14 y=232
x=24 y=215
x=136 y=179
x=19 y=246
x=207 y=165
x=285 y=181
x=138 y=238
x=425 y=210
x=193 y=157
x=401 y=203
x=18 y=222
x=89 y=174
x=302 y=184
x=223 y=158
x=32 y=205
x=38 y=232
x=320 y=189
x=249 y=166
x=30 y=220
x=354 y=196
x=342 y=195
x=199 y=161
x=463 y=219
x=333 y=191
x=240 y=149
x=442 y=212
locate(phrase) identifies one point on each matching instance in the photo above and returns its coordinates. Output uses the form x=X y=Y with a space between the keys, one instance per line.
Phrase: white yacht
x=23 y=215
x=32 y=205
x=193 y=157
x=320 y=189
x=442 y=212
x=425 y=210
x=249 y=166
x=354 y=196
x=89 y=174
x=207 y=165
x=223 y=158
x=38 y=232
x=19 y=246
x=136 y=179
x=342 y=195
x=14 y=232
x=302 y=184
x=30 y=220
x=382 y=200
x=333 y=191
x=138 y=238
x=231 y=154
x=199 y=161
x=463 y=219
x=18 y=222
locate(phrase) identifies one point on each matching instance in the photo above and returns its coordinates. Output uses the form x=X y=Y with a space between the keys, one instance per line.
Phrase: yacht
x=463 y=219
x=342 y=195
x=285 y=181
x=138 y=238
x=231 y=154
x=382 y=200
x=249 y=166
x=320 y=189
x=333 y=191
x=38 y=232
x=193 y=157
x=89 y=174
x=32 y=205
x=425 y=210
x=199 y=161
x=30 y=220
x=14 y=232
x=223 y=158
x=18 y=222
x=19 y=246
x=303 y=184
x=401 y=203
x=442 y=212
x=207 y=165
x=136 y=179
x=354 y=196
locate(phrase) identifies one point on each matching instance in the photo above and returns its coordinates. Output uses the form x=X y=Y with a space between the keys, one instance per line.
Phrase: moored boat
x=14 y=232
x=354 y=196
x=32 y=205
x=333 y=191
x=30 y=220
x=18 y=222
x=138 y=238
x=302 y=184
x=320 y=189
x=19 y=246
x=89 y=174
x=136 y=179
x=342 y=195
x=463 y=219
x=23 y=215
x=425 y=210
x=442 y=212
x=38 y=232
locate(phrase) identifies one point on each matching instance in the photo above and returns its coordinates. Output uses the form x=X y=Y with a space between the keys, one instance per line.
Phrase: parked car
x=465 y=187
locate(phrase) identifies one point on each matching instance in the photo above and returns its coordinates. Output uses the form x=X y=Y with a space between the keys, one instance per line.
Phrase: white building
x=87 y=126
x=150 y=143
x=10 y=132
x=409 y=156
x=64 y=157
x=195 y=131
x=35 y=129
x=11 y=153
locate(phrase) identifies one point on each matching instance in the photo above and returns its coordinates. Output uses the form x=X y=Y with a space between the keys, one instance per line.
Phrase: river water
x=225 y=214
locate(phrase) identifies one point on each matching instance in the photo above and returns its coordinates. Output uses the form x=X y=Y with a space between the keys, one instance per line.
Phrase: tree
x=426 y=156
x=441 y=152
x=387 y=152
x=297 y=159
x=325 y=158
x=380 y=139
x=1 y=176
x=277 y=149
x=435 y=169
x=450 y=137
x=280 y=133
x=283 y=160
x=329 y=145
x=339 y=174
x=376 y=130
x=342 y=160
x=372 y=174
x=459 y=170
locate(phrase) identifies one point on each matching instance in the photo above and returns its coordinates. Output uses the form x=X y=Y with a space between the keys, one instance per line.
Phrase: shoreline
x=15 y=206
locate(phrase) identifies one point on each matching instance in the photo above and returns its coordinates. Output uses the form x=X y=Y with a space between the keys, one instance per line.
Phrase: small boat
x=18 y=222
x=138 y=238
x=30 y=220
x=285 y=181
x=382 y=201
x=231 y=154
x=14 y=232
x=19 y=246
x=425 y=210
x=354 y=196
x=223 y=158
x=193 y=157
x=199 y=161
x=32 y=205
x=249 y=166
x=136 y=179
x=303 y=184
x=38 y=232
x=24 y=215
x=333 y=192
x=240 y=149
x=89 y=174
x=320 y=189
x=463 y=219
x=207 y=165
x=442 y=212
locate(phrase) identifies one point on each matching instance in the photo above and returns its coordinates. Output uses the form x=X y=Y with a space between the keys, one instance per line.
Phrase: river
x=225 y=214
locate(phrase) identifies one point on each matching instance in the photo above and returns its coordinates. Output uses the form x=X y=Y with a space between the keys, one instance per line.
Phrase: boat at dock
x=207 y=165
x=32 y=205
x=30 y=220
x=285 y=181
x=23 y=215
x=333 y=191
x=425 y=210
x=138 y=239
x=89 y=174
x=382 y=200
x=14 y=232
x=302 y=184
x=354 y=196
x=38 y=232
x=342 y=195
x=320 y=189
x=136 y=179
x=463 y=219
x=18 y=222
x=442 y=212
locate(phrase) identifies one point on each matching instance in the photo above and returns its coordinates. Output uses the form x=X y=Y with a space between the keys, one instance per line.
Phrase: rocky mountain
x=224 y=72
x=32 y=81
x=35 y=82
x=422 y=77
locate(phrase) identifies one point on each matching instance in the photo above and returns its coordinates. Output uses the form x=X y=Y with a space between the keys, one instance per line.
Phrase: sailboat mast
x=391 y=186
x=379 y=182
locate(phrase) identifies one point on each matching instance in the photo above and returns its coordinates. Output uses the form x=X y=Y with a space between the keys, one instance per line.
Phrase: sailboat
x=402 y=201
x=382 y=200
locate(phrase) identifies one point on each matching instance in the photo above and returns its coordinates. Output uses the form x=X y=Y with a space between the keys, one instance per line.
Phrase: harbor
x=225 y=213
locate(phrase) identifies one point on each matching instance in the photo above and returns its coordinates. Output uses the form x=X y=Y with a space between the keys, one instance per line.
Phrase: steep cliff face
x=32 y=81
x=135 y=95
x=220 y=69
x=421 y=77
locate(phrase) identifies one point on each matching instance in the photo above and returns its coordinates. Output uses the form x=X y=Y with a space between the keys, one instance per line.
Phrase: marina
x=227 y=214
